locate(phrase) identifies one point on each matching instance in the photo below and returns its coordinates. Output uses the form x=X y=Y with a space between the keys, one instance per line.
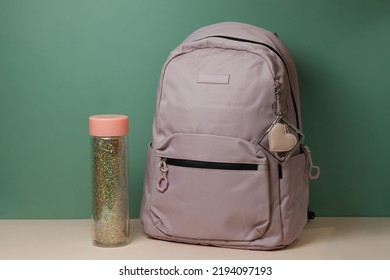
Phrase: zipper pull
x=311 y=165
x=163 y=180
x=277 y=87
x=279 y=107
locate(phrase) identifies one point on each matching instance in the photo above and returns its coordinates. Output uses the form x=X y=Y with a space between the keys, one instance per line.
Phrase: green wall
x=61 y=61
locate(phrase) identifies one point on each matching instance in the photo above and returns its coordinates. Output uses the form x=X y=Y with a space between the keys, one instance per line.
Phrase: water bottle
x=110 y=215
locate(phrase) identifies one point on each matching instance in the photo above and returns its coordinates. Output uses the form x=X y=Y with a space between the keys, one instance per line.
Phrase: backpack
x=211 y=176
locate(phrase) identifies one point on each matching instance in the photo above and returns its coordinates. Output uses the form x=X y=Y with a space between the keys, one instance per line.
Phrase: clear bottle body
x=111 y=221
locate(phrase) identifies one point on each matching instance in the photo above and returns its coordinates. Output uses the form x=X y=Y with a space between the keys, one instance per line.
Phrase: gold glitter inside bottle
x=111 y=222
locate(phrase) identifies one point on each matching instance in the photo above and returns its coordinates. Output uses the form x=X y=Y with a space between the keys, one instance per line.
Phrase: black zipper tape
x=209 y=165
x=280 y=170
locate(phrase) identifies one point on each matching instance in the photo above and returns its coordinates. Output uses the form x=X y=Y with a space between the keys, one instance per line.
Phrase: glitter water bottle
x=111 y=222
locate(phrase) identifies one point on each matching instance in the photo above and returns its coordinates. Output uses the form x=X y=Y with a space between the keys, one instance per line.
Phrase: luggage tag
x=281 y=138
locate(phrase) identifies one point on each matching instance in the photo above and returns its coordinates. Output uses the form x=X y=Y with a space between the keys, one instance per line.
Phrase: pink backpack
x=227 y=165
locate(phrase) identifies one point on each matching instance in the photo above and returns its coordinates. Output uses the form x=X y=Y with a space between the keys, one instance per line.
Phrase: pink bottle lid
x=108 y=125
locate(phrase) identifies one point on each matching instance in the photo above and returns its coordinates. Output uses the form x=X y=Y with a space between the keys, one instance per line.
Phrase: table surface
x=323 y=239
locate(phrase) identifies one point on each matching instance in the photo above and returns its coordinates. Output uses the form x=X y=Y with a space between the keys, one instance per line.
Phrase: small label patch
x=213 y=78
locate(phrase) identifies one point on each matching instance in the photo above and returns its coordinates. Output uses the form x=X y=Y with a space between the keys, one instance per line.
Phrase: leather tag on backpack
x=280 y=139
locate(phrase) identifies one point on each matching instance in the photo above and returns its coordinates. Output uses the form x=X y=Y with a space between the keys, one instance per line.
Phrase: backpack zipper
x=274 y=51
x=209 y=164
x=163 y=183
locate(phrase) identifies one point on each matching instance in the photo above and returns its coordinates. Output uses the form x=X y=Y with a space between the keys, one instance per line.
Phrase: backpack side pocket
x=145 y=213
x=294 y=197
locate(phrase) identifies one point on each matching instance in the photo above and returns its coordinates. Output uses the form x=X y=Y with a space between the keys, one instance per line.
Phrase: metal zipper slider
x=279 y=107
x=277 y=87
x=163 y=180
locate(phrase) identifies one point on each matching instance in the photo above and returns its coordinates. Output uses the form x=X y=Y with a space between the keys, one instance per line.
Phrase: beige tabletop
x=323 y=239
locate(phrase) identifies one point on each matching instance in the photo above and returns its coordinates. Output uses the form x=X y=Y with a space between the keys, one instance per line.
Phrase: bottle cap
x=108 y=125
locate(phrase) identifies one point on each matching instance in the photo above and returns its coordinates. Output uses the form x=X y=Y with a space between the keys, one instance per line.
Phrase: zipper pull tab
x=277 y=87
x=163 y=180
x=311 y=165
x=279 y=107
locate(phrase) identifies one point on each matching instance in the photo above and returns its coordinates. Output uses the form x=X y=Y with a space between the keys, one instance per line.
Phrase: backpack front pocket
x=215 y=189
